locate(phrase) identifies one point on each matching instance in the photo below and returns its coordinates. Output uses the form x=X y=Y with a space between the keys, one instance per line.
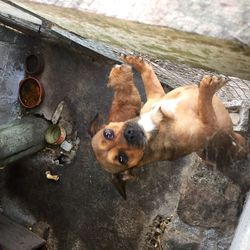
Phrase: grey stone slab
x=16 y=237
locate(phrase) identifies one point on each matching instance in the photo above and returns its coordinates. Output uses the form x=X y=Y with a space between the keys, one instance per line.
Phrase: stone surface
x=178 y=235
x=11 y=73
x=208 y=199
x=182 y=237
x=239 y=172
x=239 y=111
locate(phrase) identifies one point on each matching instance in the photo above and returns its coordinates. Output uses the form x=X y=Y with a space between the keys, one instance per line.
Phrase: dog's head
x=118 y=146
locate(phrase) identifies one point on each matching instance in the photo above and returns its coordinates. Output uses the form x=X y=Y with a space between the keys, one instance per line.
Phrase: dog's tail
x=240 y=149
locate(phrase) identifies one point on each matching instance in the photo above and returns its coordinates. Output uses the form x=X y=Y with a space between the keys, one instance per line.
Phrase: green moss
x=219 y=55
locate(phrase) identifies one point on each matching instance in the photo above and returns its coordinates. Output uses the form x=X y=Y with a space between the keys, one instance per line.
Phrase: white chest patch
x=146 y=122
x=170 y=105
x=146 y=119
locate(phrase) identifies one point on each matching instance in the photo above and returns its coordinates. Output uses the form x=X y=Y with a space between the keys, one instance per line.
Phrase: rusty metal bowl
x=55 y=134
x=31 y=92
x=34 y=64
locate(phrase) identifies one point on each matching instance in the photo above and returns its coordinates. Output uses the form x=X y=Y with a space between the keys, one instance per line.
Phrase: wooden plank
x=17 y=237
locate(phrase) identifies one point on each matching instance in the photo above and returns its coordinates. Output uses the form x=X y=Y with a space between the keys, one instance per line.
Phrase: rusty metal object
x=55 y=135
x=34 y=64
x=31 y=92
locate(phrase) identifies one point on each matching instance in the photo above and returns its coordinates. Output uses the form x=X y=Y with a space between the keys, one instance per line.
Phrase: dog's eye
x=123 y=158
x=109 y=134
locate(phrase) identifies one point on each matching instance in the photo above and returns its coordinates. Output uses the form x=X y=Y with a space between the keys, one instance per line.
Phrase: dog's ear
x=119 y=181
x=119 y=184
x=95 y=125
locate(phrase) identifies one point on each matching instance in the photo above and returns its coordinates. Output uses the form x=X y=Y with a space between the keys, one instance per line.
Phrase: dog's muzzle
x=134 y=135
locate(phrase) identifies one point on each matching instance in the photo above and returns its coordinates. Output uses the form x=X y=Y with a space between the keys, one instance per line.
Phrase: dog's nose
x=134 y=135
x=130 y=134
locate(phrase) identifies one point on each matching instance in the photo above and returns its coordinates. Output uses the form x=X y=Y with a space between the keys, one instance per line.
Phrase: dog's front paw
x=119 y=76
x=136 y=61
x=212 y=83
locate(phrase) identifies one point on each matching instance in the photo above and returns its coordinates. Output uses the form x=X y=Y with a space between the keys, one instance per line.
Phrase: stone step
x=16 y=237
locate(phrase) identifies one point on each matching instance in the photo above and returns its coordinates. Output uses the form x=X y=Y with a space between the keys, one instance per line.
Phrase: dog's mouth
x=134 y=135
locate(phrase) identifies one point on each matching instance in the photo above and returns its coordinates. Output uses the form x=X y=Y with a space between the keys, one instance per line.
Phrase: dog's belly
x=180 y=126
x=179 y=103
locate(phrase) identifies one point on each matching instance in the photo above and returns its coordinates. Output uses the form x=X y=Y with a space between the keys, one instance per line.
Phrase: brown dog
x=169 y=126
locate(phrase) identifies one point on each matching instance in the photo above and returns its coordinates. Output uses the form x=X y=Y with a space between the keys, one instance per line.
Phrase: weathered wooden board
x=16 y=237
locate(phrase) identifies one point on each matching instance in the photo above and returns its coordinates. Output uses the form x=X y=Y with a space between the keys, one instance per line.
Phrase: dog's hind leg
x=152 y=85
x=207 y=88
